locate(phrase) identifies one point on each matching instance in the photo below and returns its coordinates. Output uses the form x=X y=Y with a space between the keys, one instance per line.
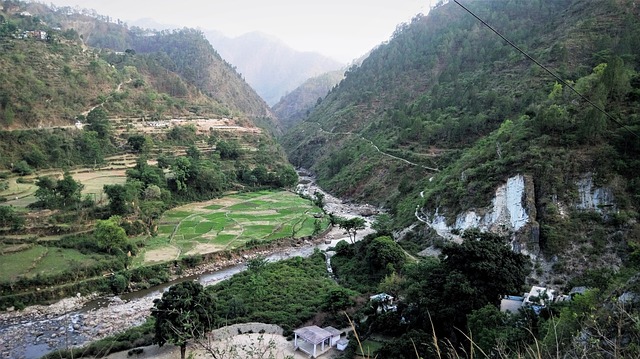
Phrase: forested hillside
x=297 y=105
x=444 y=82
x=185 y=52
x=439 y=123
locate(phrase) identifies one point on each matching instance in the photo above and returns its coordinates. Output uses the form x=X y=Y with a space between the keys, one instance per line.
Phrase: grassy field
x=28 y=262
x=196 y=228
x=231 y=222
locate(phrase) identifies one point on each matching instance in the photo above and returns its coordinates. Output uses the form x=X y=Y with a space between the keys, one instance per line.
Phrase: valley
x=441 y=196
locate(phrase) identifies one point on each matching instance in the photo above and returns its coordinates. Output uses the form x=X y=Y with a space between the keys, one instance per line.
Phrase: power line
x=549 y=71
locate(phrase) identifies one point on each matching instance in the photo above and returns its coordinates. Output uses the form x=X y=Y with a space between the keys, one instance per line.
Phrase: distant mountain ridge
x=296 y=105
x=270 y=66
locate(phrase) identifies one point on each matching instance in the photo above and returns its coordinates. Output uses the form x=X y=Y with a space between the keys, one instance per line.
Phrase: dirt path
x=118 y=89
x=377 y=148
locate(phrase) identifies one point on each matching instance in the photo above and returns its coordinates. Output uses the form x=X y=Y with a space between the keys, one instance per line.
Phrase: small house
x=312 y=340
x=383 y=303
x=538 y=298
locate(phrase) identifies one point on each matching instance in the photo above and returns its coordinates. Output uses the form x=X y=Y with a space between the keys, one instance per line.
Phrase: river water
x=38 y=330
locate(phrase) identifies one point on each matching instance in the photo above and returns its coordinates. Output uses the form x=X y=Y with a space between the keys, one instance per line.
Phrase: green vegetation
x=446 y=93
x=183 y=313
x=244 y=219
x=286 y=293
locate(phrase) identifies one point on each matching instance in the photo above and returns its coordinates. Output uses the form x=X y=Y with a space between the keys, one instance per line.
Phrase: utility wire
x=549 y=71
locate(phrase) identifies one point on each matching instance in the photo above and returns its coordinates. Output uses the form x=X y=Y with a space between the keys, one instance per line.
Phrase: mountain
x=450 y=128
x=48 y=78
x=271 y=67
x=202 y=66
x=295 y=106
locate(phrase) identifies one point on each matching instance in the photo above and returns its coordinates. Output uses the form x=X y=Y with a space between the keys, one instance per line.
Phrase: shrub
x=22 y=168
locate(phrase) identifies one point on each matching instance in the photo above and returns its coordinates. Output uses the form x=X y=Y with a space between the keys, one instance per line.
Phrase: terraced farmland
x=231 y=222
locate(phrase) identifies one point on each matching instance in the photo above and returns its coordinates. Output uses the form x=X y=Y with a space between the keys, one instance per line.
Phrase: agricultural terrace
x=231 y=222
x=29 y=260
x=20 y=195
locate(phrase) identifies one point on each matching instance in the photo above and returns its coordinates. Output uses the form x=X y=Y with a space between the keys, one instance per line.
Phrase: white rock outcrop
x=507 y=213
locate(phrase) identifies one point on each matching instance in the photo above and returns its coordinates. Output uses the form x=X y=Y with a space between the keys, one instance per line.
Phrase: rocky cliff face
x=512 y=212
x=590 y=197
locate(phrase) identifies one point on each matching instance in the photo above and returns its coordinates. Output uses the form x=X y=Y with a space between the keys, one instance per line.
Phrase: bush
x=22 y=168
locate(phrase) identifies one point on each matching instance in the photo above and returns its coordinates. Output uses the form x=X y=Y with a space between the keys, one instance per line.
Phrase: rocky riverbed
x=37 y=330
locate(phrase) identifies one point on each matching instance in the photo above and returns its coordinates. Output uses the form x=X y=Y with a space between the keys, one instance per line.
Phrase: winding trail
x=118 y=89
x=377 y=148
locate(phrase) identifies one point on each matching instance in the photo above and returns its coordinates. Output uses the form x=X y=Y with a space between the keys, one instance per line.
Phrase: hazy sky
x=341 y=29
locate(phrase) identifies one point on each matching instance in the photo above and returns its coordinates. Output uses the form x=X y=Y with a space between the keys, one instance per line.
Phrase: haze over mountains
x=269 y=65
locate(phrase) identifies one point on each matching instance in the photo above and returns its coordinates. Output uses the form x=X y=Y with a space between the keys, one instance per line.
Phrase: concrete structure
x=341 y=345
x=312 y=340
x=335 y=335
x=511 y=303
x=385 y=302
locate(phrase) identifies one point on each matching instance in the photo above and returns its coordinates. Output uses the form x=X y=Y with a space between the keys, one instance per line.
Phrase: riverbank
x=37 y=330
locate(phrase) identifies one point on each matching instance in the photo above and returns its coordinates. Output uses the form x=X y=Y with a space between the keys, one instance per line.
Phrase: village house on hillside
x=316 y=341
x=537 y=298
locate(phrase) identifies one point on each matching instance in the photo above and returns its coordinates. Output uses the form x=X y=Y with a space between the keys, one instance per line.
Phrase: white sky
x=341 y=29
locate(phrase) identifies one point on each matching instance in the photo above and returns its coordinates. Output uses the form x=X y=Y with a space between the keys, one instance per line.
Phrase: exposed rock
x=592 y=198
x=512 y=212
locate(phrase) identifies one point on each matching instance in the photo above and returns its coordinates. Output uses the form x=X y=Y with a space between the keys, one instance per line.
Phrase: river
x=38 y=330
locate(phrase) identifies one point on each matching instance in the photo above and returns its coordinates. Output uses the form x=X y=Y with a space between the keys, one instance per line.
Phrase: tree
x=318 y=199
x=97 y=121
x=383 y=224
x=181 y=172
x=228 y=150
x=468 y=276
x=9 y=218
x=22 y=168
x=193 y=153
x=351 y=226
x=138 y=143
x=185 y=312
x=122 y=197
x=69 y=190
x=286 y=176
x=261 y=174
x=46 y=192
x=384 y=253
x=338 y=299
x=489 y=263
x=54 y=194
x=109 y=235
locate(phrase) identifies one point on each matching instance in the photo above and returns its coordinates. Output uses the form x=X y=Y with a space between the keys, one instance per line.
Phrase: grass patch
x=42 y=260
x=214 y=207
x=261 y=216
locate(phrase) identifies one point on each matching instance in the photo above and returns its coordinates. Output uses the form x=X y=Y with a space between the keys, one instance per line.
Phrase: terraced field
x=231 y=222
